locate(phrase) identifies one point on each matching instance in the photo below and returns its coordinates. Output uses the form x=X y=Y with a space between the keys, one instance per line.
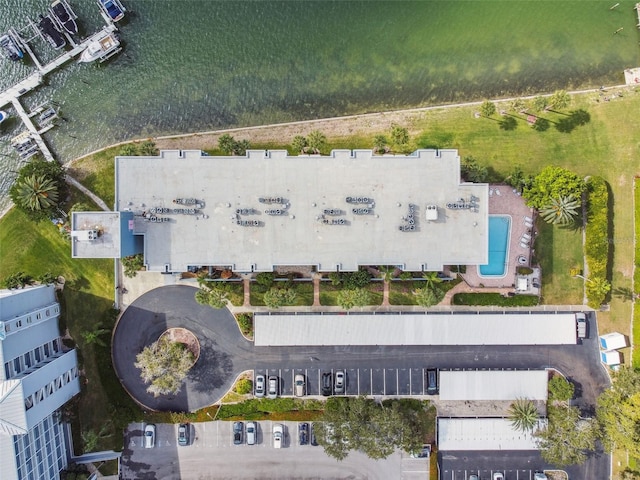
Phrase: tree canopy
x=552 y=183
x=39 y=189
x=164 y=365
x=375 y=429
x=618 y=412
x=567 y=439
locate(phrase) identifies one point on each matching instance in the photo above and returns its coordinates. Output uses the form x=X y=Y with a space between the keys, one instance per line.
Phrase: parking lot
x=514 y=465
x=359 y=381
x=211 y=454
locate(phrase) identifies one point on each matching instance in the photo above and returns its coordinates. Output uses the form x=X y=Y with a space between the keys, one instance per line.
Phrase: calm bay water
x=198 y=65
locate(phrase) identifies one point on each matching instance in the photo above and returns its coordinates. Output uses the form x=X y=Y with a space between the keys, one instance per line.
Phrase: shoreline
x=332 y=127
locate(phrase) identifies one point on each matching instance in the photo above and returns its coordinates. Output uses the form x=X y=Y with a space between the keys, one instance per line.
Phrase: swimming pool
x=499 y=232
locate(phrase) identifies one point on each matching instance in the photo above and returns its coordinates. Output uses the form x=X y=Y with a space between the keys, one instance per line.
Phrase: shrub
x=524 y=271
x=244 y=386
x=265 y=279
x=245 y=322
x=132 y=265
x=597 y=239
x=354 y=280
x=335 y=278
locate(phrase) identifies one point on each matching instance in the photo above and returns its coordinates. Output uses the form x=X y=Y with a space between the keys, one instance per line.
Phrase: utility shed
x=494 y=385
x=484 y=434
x=526 y=328
x=613 y=341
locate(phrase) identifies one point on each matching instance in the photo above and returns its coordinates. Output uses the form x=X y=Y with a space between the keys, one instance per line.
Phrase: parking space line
x=410 y=389
x=371 y=381
x=384 y=381
x=423 y=381
x=358 y=375
x=397 y=382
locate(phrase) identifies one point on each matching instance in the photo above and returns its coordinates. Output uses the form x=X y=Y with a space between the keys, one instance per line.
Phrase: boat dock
x=12 y=94
x=637 y=9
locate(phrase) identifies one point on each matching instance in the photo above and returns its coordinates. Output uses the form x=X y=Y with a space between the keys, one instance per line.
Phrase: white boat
x=102 y=48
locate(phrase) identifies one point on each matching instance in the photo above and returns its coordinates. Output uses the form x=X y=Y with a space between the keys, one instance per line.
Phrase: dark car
x=327 y=384
x=238 y=430
x=183 y=434
x=303 y=433
x=312 y=436
x=432 y=381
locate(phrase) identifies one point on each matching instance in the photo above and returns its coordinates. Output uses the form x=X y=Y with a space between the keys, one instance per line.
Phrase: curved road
x=225 y=353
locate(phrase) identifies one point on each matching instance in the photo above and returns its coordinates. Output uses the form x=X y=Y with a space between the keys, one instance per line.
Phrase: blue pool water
x=499 y=230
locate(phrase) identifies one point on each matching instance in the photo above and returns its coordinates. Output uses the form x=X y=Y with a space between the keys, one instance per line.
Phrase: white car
x=149 y=436
x=273 y=390
x=251 y=433
x=299 y=385
x=498 y=476
x=259 y=386
x=540 y=476
x=278 y=435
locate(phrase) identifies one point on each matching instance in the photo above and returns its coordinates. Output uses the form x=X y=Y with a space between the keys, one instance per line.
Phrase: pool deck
x=504 y=201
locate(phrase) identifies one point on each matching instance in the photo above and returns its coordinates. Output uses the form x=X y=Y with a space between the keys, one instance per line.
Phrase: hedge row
x=597 y=239
x=259 y=408
x=496 y=299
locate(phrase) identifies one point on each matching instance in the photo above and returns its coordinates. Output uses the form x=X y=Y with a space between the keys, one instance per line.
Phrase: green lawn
x=86 y=304
x=636 y=280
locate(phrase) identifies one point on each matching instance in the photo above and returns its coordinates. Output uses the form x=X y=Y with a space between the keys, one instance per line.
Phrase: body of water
x=193 y=65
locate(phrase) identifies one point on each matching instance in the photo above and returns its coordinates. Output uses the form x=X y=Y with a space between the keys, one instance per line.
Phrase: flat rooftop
x=493 y=385
x=336 y=212
x=415 y=329
x=107 y=242
x=484 y=434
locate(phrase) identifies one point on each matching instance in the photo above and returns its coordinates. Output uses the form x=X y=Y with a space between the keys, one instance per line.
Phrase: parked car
x=540 y=476
x=183 y=434
x=581 y=325
x=252 y=433
x=327 y=384
x=473 y=476
x=498 y=476
x=312 y=436
x=424 y=452
x=300 y=387
x=535 y=283
x=238 y=429
x=278 y=435
x=432 y=381
x=149 y=436
x=339 y=384
x=303 y=433
x=259 y=386
x=273 y=389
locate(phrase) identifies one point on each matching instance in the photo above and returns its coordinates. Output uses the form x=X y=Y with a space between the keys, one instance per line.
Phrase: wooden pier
x=12 y=94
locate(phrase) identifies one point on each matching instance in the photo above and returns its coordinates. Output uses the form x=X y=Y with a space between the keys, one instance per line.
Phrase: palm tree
x=431 y=280
x=386 y=272
x=317 y=141
x=559 y=100
x=518 y=105
x=37 y=192
x=94 y=336
x=540 y=103
x=523 y=414
x=561 y=211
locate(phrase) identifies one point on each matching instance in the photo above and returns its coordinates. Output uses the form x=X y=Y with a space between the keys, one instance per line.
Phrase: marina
x=56 y=28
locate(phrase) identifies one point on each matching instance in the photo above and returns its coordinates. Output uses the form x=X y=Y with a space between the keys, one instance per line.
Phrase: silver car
x=273 y=390
x=259 y=386
x=251 y=433
x=338 y=386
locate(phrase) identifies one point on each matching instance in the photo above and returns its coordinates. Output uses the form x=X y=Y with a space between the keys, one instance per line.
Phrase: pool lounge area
x=511 y=239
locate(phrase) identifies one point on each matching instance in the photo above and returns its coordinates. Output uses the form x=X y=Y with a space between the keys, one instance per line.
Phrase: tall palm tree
x=487 y=108
x=562 y=210
x=523 y=415
x=37 y=192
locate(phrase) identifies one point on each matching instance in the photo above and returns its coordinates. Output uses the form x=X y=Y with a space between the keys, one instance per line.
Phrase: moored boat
x=65 y=16
x=51 y=33
x=11 y=48
x=113 y=8
x=3 y=116
x=104 y=46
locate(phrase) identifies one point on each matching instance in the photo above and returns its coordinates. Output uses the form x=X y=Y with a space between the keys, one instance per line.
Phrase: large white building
x=268 y=208
x=39 y=375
